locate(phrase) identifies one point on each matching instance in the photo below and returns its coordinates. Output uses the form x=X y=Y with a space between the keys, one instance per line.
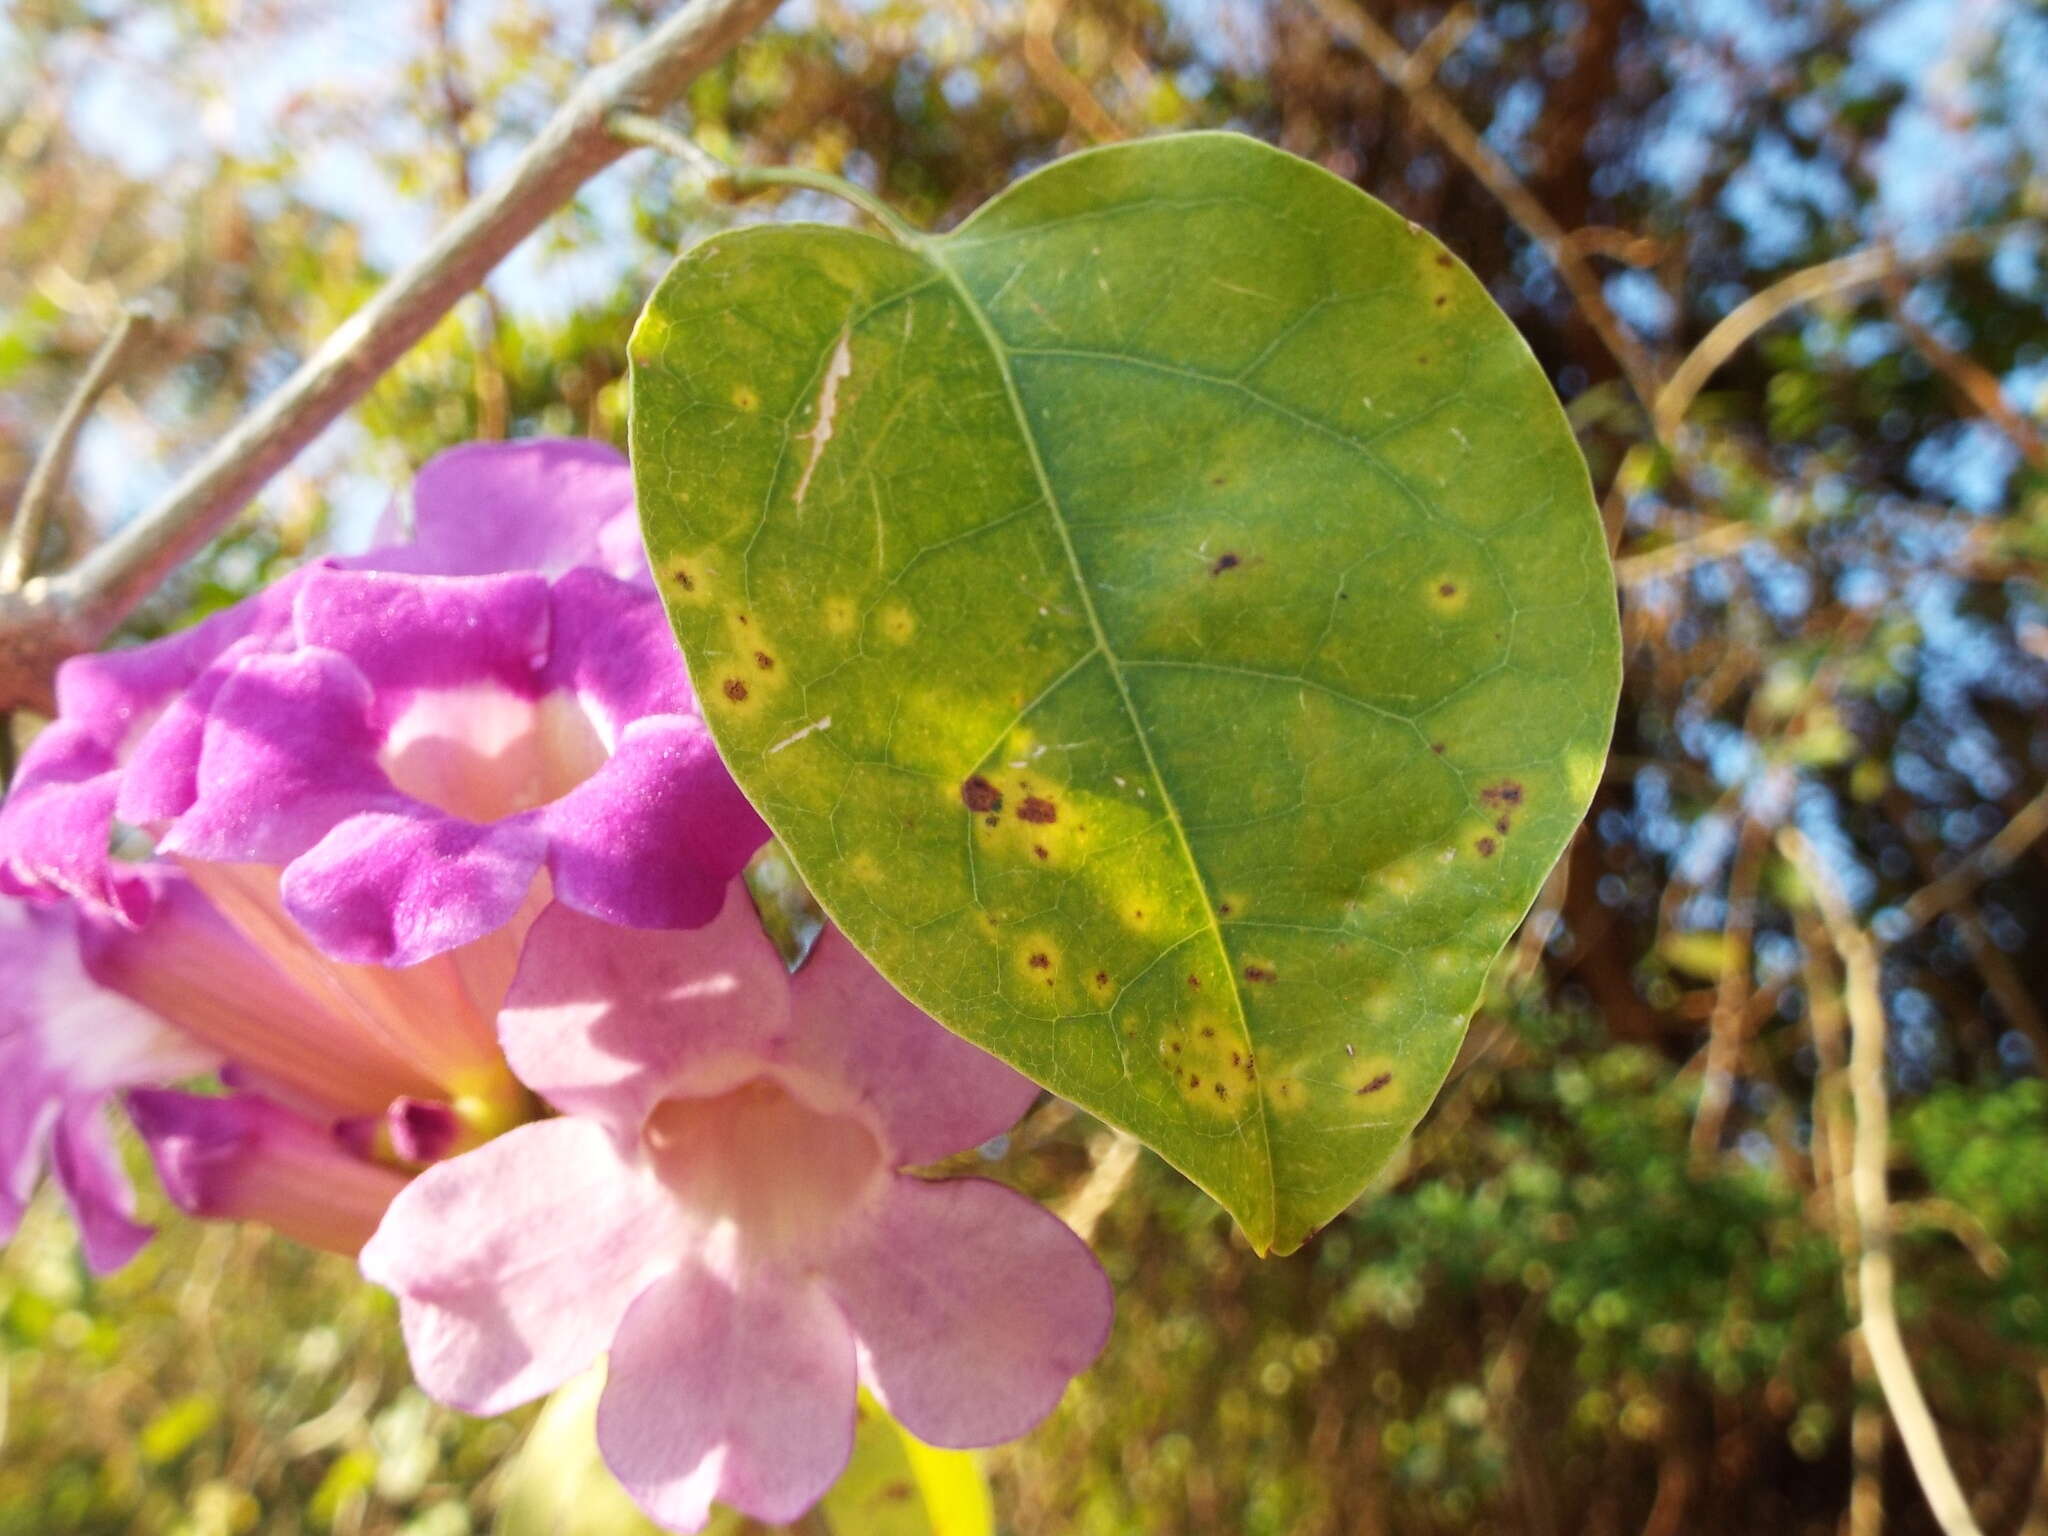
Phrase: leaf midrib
x=933 y=251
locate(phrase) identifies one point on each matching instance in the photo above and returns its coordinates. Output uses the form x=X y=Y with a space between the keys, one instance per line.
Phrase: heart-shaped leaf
x=1166 y=621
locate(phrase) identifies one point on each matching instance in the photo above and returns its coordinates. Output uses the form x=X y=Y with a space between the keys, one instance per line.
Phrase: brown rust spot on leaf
x=978 y=795
x=736 y=690
x=1038 y=811
x=1227 y=561
x=1376 y=1084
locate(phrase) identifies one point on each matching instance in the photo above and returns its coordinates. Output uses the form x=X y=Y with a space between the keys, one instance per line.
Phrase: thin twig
x=73 y=612
x=52 y=471
x=1992 y=857
x=1728 y=1030
x=1400 y=70
x=1115 y=1157
x=1879 y=1319
x=1978 y=386
x=1717 y=543
x=1042 y=57
x=1844 y=275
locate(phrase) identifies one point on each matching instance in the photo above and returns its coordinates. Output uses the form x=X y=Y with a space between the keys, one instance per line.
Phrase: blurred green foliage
x=1596 y=1298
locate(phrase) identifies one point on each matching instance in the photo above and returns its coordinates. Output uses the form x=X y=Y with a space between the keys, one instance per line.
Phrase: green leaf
x=1165 y=620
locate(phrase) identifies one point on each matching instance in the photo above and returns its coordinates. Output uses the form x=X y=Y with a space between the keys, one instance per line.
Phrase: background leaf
x=1166 y=622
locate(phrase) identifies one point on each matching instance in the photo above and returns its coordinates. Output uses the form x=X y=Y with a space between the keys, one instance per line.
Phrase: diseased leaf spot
x=1443 y=261
x=1376 y=1084
x=1258 y=973
x=745 y=397
x=1227 y=561
x=680 y=575
x=1038 y=811
x=1486 y=847
x=1039 y=849
x=978 y=795
x=1195 y=982
x=1041 y=961
x=1221 y=1091
x=736 y=690
x=764 y=661
x=1507 y=792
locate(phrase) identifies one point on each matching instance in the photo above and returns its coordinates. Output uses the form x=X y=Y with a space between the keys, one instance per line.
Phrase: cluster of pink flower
x=420 y=872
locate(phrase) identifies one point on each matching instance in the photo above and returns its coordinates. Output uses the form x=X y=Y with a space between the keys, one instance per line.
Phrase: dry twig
x=1869 y=1154
x=46 y=481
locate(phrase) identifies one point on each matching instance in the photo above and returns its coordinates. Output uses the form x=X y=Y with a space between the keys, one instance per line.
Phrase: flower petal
x=396 y=888
x=545 y=504
x=58 y=817
x=655 y=836
x=744 y=1394
x=612 y=646
x=937 y=1093
x=514 y=1263
x=66 y=1045
x=426 y=632
x=974 y=1307
x=608 y=1021
x=288 y=752
x=88 y=1167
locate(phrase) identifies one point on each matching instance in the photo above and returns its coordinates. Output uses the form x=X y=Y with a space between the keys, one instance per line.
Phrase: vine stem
x=1870 y=1198
x=639 y=128
x=56 y=616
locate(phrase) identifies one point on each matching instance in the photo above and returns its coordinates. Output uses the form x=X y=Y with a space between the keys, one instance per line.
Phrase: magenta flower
x=722 y=1206
x=67 y=1046
x=355 y=790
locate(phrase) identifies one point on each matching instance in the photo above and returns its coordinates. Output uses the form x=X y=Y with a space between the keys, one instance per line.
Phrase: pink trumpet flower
x=356 y=790
x=722 y=1206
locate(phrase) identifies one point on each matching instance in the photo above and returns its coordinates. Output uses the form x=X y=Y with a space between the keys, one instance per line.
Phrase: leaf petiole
x=638 y=128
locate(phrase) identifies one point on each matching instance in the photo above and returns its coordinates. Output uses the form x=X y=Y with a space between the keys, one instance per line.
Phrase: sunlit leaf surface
x=1165 y=620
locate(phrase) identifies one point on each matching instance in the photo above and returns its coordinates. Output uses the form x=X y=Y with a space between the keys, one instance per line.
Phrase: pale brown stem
x=1992 y=857
x=1115 y=1158
x=1728 y=1030
x=1878 y=1321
